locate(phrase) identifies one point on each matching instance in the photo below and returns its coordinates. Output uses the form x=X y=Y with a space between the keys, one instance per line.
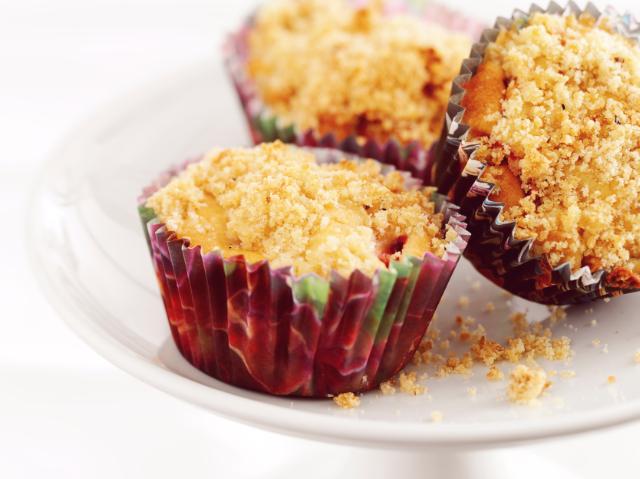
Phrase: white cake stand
x=89 y=254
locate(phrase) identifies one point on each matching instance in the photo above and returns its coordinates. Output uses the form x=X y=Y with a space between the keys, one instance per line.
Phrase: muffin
x=369 y=79
x=546 y=115
x=296 y=272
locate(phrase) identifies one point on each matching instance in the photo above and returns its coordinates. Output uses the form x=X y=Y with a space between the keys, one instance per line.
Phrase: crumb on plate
x=526 y=384
x=347 y=400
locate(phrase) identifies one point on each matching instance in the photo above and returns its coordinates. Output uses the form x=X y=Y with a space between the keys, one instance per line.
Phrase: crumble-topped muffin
x=335 y=68
x=276 y=202
x=555 y=106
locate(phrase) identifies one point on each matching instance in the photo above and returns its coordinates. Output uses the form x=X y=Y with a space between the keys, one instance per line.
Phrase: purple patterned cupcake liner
x=269 y=330
x=493 y=248
x=265 y=126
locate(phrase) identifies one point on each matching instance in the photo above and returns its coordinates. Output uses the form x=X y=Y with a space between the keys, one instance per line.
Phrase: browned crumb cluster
x=275 y=202
x=387 y=388
x=347 y=400
x=408 y=384
x=526 y=384
x=495 y=374
x=529 y=342
x=326 y=65
x=563 y=139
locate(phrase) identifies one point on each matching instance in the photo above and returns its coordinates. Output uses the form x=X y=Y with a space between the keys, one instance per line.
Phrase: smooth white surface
x=65 y=412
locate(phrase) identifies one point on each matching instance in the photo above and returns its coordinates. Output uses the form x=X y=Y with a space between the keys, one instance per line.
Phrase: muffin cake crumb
x=408 y=385
x=495 y=374
x=611 y=379
x=636 y=357
x=463 y=301
x=526 y=384
x=437 y=416
x=347 y=400
x=387 y=388
x=489 y=307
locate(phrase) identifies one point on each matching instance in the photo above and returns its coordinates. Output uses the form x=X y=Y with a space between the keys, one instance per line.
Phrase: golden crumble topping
x=332 y=67
x=347 y=400
x=556 y=107
x=275 y=202
x=526 y=384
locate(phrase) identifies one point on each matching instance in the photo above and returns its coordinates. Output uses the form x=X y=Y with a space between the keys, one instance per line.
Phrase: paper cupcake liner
x=269 y=330
x=265 y=126
x=493 y=248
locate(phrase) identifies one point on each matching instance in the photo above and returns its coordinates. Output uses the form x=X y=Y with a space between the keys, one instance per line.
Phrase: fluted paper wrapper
x=264 y=125
x=493 y=248
x=266 y=329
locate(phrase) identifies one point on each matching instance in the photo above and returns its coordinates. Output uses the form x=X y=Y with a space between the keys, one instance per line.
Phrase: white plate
x=91 y=257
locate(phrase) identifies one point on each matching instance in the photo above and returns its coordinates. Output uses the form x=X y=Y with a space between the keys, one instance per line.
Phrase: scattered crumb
x=605 y=349
x=489 y=307
x=347 y=400
x=444 y=345
x=472 y=391
x=596 y=343
x=437 y=416
x=567 y=374
x=495 y=374
x=636 y=356
x=556 y=313
x=611 y=379
x=407 y=383
x=434 y=333
x=476 y=286
x=526 y=384
x=387 y=388
x=594 y=323
x=487 y=351
x=463 y=301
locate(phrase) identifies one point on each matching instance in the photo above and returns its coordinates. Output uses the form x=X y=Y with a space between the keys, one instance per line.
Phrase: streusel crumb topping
x=276 y=202
x=564 y=140
x=332 y=67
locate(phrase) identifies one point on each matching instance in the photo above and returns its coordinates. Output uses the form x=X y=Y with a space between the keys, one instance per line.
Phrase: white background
x=64 y=411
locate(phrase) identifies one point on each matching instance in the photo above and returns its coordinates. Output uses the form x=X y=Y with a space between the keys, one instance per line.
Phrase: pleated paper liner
x=264 y=125
x=493 y=248
x=269 y=330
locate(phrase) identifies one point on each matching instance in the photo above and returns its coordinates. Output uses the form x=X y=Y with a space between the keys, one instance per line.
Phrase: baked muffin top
x=334 y=68
x=276 y=202
x=556 y=108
